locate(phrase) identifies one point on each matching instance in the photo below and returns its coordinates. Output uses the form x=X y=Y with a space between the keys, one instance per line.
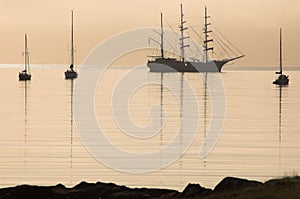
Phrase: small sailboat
x=71 y=73
x=281 y=79
x=25 y=74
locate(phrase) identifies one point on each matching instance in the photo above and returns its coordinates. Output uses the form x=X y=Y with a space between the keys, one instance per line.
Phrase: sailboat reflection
x=279 y=128
x=161 y=113
x=71 y=127
x=181 y=125
x=25 y=122
x=181 y=101
x=205 y=117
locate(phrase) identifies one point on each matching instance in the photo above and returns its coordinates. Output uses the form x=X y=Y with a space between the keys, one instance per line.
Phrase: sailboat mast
x=72 y=41
x=182 y=29
x=206 y=36
x=161 y=35
x=26 y=54
x=280 y=51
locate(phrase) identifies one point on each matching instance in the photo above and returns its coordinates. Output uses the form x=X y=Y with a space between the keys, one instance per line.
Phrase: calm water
x=39 y=142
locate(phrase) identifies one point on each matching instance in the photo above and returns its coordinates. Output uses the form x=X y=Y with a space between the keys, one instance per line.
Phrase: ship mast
x=206 y=36
x=280 y=51
x=161 y=35
x=26 y=55
x=182 y=29
x=72 y=43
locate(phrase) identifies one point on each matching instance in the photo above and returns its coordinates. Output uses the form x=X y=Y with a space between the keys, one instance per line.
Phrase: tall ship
x=71 y=73
x=168 y=64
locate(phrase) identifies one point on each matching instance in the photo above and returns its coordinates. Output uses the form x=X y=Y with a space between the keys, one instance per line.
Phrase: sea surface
x=41 y=145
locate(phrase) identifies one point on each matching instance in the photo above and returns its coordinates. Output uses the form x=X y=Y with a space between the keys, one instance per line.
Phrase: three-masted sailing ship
x=25 y=74
x=167 y=64
x=71 y=73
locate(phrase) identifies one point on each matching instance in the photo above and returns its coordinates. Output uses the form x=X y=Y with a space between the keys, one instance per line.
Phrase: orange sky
x=253 y=26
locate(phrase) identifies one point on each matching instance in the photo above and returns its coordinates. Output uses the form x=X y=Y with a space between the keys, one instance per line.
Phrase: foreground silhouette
x=288 y=187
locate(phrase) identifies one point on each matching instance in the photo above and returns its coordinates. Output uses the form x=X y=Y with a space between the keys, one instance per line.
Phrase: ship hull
x=172 y=65
x=71 y=74
x=24 y=76
x=282 y=80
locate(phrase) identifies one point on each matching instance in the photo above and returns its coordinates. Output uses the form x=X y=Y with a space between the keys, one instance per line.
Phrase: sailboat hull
x=71 y=74
x=282 y=80
x=171 y=65
x=24 y=76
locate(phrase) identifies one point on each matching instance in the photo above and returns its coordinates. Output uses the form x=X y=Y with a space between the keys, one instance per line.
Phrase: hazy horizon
x=253 y=26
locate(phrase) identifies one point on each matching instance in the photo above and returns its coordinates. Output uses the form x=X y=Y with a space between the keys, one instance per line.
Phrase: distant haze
x=253 y=26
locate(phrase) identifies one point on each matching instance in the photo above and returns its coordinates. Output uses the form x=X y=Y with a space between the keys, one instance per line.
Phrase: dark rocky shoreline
x=229 y=187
